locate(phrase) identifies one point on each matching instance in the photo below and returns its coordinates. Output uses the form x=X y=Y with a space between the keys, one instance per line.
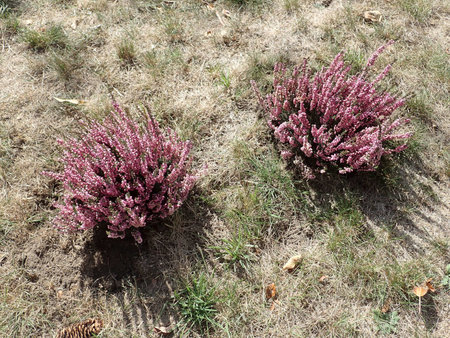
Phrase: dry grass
x=374 y=236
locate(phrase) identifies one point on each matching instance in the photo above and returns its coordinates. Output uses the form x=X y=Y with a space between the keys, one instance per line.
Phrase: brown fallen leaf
x=429 y=285
x=271 y=291
x=372 y=16
x=386 y=306
x=323 y=279
x=292 y=263
x=163 y=330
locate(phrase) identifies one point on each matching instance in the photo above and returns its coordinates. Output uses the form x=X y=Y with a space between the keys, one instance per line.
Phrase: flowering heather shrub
x=122 y=176
x=331 y=120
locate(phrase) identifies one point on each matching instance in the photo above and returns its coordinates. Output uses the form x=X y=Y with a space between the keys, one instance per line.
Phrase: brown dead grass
x=181 y=49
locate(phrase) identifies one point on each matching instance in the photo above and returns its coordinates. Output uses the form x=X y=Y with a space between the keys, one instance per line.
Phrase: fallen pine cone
x=82 y=330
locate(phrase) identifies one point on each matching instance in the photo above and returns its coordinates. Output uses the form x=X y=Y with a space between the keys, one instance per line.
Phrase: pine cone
x=82 y=330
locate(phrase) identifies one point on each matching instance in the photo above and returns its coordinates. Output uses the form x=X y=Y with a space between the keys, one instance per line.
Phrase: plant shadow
x=142 y=276
x=392 y=198
x=429 y=312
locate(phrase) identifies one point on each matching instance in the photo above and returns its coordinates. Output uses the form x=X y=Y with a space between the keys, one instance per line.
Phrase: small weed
x=126 y=52
x=386 y=322
x=159 y=62
x=173 y=28
x=260 y=69
x=272 y=184
x=237 y=250
x=446 y=280
x=220 y=75
x=419 y=106
x=196 y=303
x=420 y=10
x=151 y=59
x=63 y=66
x=225 y=79
x=12 y=25
x=54 y=36
x=356 y=59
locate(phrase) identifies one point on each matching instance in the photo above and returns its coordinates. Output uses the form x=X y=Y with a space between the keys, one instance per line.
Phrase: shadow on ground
x=393 y=198
x=151 y=269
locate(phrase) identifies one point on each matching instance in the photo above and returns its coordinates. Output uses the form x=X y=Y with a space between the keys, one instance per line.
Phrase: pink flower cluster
x=122 y=176
x=332 y=120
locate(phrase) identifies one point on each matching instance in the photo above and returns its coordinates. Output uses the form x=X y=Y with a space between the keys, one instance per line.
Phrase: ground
x=365 y=239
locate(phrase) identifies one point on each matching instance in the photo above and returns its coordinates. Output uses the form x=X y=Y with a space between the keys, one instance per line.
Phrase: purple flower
x=332 y=120
x=121 y=175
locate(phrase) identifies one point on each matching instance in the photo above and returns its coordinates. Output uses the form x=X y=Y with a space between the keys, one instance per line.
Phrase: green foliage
x=237 y=251
x=356 y=59
x=446 y=280
x=54 y=36
x=420 y=10
x=386 y=322
x=11 y=25
x=349 y=229
x=225 y=79
x=419 y=106
x=196 y=302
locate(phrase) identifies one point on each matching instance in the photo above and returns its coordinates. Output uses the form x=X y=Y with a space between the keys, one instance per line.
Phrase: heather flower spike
x=331 y=119
x=122 y=176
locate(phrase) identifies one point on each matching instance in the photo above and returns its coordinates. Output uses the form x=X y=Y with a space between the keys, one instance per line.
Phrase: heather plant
x=333 y=120
x=122 y=176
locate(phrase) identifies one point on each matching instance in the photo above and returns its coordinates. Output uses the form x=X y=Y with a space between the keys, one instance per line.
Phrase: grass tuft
x=126 y=52
x=420 y=10
x=196 y=302
x=40 y=41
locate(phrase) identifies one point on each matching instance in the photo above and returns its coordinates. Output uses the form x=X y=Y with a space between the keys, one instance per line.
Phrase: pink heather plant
x=332 y=120
x=122 y=176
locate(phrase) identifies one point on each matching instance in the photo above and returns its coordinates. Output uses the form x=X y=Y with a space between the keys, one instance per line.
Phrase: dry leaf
x=420 y=291
x=72 y=101
x=386 y=306
x=323 y=279
x=429 y=285
x=271 y=291
x=292 y=263
x=164 y=330
x=372 y=16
